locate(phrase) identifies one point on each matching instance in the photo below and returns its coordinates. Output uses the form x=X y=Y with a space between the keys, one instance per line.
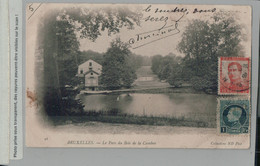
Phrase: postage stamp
x=233 y=115
x=234 y=75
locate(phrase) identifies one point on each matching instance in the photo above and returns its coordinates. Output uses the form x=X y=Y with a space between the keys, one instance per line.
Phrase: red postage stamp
x=234 y=75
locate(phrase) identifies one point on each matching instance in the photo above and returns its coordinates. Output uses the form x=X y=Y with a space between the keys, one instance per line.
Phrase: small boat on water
x=94 y=92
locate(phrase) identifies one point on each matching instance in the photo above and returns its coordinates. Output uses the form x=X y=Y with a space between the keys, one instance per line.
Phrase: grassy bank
x=157 y=90
x=170 y=90
x=114 y=116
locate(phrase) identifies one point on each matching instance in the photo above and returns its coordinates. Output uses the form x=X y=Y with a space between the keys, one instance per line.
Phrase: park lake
x=181 y=106
x=171 y=106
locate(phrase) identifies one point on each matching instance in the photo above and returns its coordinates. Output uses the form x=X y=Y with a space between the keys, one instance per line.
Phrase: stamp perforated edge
x=234 y=98
x=250 y=72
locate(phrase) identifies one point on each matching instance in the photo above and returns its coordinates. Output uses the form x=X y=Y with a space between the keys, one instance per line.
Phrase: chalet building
x=89 y=72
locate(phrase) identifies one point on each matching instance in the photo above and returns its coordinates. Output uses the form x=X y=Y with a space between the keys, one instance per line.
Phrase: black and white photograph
x=131 y=75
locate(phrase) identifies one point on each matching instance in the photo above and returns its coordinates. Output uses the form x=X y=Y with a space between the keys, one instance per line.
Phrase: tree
x=203 y=42
x=175 y=77
x=57 y=37
x=117 y=70
x=136 y=61
x=168 y=68
x=156 y=63
x=90 y=22
x=67 y=47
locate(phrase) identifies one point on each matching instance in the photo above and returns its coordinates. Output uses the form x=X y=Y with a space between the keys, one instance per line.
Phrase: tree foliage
x=117 y=70
x=175 y=77
x=91 y=22
x=156 y=63
x=67 y=52
x=203 y=42
x=95 y=56
x=58 y=37
x=168 y=68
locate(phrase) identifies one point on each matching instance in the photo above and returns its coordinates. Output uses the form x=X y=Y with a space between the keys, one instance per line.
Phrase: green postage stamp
x=234 y=115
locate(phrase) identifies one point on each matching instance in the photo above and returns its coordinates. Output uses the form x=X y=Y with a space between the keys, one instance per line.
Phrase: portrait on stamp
x=234 y=116
x=234 y=75
x=134 y=75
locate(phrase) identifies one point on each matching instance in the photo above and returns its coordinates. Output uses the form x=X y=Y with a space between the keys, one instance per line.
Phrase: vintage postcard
x=138 y=75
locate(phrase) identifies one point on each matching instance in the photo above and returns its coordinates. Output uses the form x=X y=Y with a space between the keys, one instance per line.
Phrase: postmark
x=233 y=115
x=234 y=75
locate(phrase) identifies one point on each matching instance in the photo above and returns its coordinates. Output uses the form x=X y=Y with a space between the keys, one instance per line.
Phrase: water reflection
x=200 y=107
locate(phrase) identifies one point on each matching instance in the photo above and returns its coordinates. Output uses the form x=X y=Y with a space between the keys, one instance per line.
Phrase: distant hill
x=136 y=60
x=86 y=55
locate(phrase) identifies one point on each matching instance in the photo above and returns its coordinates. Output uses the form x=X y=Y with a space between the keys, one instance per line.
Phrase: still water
x=201 y=107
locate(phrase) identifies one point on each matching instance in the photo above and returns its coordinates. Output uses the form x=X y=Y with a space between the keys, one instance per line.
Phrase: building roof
x=95 y=68
x=82 y=75
x=88 y=62
x=91 y=71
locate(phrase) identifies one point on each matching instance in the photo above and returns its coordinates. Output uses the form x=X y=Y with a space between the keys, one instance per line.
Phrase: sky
x=153 y=45
x=166 y=44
